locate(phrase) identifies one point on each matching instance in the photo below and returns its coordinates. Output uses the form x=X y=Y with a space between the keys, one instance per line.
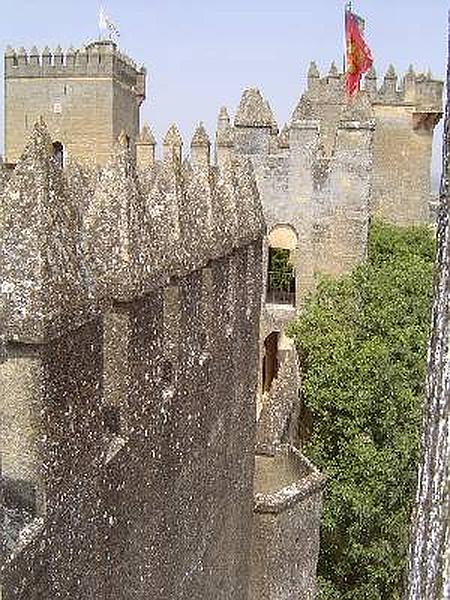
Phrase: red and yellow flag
x=359 y=56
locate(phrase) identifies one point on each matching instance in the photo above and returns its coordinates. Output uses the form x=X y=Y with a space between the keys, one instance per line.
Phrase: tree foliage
x=363 y=341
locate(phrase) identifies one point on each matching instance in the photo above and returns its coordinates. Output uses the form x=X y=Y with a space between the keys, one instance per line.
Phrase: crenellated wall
x=87 y=97
x=137 y=292
x=338 y=163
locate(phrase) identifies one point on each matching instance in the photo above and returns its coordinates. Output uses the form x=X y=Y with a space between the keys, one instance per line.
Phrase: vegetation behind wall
x=363 y=342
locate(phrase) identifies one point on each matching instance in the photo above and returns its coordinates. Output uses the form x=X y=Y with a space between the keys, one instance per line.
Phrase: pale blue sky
x=200 y=54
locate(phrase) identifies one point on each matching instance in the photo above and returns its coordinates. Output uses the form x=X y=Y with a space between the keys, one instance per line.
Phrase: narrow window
x=58 y=154
x=270 y=360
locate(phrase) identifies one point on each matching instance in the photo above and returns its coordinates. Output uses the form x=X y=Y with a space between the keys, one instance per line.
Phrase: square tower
x=87 y=98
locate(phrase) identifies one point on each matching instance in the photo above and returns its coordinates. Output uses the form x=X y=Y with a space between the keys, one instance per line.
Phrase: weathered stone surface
x=43 y=285
x=288 y=497
x=132 y=451
x=86 y=97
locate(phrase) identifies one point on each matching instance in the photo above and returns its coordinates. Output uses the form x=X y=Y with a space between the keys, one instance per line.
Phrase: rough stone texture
x=136 y=434
x=334 y=165
x=429 y=553
x=280 y=405
x=288 y=498
x=87 y=97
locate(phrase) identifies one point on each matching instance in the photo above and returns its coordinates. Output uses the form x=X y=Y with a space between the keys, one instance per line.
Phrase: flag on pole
x=106 y=24
x=359 y=56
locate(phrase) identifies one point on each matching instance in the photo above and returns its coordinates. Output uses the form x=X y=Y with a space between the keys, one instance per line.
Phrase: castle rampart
x=143 y=432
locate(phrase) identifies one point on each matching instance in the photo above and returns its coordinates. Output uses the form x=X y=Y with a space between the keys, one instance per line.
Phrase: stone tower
x=86 y=96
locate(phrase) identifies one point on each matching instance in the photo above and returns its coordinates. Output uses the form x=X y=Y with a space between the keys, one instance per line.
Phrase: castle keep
x=86 y=96
x=142 y=313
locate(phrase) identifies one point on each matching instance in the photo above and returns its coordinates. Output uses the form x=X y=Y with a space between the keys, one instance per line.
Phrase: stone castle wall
x=138 y=295
x=339 y=163
x=87 y=97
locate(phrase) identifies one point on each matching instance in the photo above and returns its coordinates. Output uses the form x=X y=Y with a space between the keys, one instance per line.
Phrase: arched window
x=58 y=154
x=281 y=272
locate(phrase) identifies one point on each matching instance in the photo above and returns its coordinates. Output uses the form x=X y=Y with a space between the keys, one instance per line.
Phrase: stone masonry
x=130 y=302
x=86 y=96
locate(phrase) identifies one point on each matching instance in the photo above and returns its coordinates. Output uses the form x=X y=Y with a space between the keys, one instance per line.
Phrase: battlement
x=97 y=59
x=416 y=89
x=141 y=227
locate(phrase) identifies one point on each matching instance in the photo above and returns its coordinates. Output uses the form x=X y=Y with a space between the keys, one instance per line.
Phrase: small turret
x=200 y=146
x=145 y=148
x=173 y=144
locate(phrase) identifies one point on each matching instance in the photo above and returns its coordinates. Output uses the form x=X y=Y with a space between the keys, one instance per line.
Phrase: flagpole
x=347 y=8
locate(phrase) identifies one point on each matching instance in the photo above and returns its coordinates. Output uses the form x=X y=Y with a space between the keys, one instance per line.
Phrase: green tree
x=363 y=342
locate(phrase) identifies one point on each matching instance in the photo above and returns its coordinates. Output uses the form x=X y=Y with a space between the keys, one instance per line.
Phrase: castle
x=143 y=323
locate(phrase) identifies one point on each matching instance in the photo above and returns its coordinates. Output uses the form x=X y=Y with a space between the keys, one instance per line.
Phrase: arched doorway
x=281 y=271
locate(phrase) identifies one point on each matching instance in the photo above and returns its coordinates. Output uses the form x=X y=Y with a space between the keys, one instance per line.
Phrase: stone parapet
x=288 y=498
x=61 y=261
x=97 y=59
x=130 y=302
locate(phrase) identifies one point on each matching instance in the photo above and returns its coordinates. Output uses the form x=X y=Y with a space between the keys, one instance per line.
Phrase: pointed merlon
x=390 y=73
x=173 y=137
x=10 y=51
x=200 y=137
x=46 y=51
x=146 y=136
x=410 y=72
x=429 y=75
x=371 y=73
x=34 y=51
x=21 y=51
x=313 y=71
x=333 y=70
x=224 y=117
x=225 y=136
x=253 y=110
x=58 y=51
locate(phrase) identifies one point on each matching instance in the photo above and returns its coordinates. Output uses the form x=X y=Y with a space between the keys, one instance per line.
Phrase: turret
x=64 y=88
